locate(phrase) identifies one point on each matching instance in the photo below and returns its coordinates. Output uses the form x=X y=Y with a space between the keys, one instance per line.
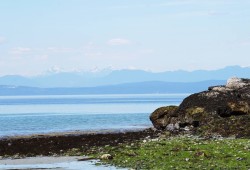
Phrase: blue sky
x=156 y=35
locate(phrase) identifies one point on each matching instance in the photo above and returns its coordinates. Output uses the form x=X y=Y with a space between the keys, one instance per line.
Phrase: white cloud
x=177 y=3
x=203 y=13
x=59 y=50
x=90 y=46
x=43 y=57
x=40 y=52
x=146 y=51
x=2 y=40
x=55 y=69
x=92 y=54
x=195 y=2
x=20 y=50
x=245 y=43
x=118 y=41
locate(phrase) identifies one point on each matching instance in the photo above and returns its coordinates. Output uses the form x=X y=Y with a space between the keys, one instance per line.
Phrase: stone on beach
x=106 y=156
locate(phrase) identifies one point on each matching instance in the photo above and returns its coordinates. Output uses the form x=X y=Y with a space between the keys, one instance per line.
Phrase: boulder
x=106 y=156
x=220 y=109
x=163 y=116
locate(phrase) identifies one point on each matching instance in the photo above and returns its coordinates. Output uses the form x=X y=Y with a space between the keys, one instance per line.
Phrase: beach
x=54 y=150
x=59 y=143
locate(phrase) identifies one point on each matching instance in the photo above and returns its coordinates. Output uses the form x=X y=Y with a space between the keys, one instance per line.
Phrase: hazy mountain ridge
x=76 y=79
x=127 y=88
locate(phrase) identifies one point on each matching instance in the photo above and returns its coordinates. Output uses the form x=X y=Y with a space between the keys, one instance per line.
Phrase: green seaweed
x=180 y=153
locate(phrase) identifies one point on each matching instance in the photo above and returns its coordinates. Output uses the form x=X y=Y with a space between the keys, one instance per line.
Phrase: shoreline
x=40 y=160
x=59 y=143
x=50 y=163
x=74 y=132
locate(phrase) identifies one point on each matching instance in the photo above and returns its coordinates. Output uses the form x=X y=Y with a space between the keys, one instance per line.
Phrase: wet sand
x=40 y=160
x=51 y=163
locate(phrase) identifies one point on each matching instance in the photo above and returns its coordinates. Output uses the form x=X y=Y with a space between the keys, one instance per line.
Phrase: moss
x=195 y=110
x=162 y=111
x=163 y=116
x=241 y=106
x=230 y=126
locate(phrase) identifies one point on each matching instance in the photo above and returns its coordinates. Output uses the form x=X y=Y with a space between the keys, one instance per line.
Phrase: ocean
x=26 y=115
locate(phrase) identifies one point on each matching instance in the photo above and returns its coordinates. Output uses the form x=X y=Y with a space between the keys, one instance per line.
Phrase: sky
x=156 y=35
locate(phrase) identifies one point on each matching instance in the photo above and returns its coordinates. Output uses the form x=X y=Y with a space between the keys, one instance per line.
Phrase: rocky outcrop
x=163 y=116
x=220 y=109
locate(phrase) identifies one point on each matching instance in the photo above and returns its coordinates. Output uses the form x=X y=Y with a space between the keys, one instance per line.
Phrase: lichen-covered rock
x=237 y=83
x=163 y=116
x=220 y=109
x=224 y=101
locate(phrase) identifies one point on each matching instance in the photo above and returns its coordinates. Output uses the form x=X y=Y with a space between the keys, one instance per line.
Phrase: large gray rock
x=220 y=109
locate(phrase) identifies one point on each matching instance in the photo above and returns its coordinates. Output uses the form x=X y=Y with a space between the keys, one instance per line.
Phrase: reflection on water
x=59 y=164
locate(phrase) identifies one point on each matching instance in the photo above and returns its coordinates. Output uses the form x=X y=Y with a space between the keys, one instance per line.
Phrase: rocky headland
x=223 y=110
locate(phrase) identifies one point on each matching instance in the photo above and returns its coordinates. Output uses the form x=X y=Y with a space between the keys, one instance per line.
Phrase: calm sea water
x=21 y=115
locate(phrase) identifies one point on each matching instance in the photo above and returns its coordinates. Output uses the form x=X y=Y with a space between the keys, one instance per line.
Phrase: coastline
x=52 y=163
x=60 y=143
x=145 y=149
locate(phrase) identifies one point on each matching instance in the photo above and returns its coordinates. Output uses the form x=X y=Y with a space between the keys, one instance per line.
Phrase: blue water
x=22 y=115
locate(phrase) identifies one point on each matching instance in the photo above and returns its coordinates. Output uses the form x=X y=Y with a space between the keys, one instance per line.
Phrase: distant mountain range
x=105 y=78
x=150 y=87
x=119 y=82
